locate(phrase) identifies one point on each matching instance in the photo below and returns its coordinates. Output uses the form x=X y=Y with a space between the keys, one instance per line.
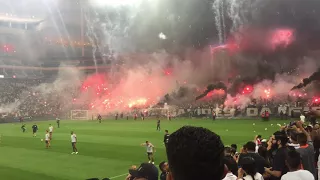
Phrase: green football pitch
x=105 y=150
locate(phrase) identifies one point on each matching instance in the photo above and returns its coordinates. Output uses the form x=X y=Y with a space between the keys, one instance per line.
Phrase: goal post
x=80 y=115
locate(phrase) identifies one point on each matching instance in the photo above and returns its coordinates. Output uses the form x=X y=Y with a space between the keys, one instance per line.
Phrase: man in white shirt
x=150 y=151
x=50 y=130
x=74 y=143
x=302 y=117
x=293 y=161
x=47 y=139
x=229 y=175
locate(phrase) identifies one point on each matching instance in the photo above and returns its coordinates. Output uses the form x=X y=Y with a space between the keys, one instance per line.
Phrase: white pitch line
x=119 y=176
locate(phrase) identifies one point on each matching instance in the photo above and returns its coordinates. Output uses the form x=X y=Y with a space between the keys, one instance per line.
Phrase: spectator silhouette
x=195 y=153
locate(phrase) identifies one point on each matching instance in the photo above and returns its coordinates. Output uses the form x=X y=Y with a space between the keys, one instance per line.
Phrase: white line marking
x=119 y=176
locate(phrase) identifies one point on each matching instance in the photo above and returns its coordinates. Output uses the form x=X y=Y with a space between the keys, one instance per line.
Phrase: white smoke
x=9 y=108
x=68 y=78
x=219 y=18
x=60 y=92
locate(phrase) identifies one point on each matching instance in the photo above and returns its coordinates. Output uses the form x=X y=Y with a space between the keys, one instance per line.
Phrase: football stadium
x=159 y=89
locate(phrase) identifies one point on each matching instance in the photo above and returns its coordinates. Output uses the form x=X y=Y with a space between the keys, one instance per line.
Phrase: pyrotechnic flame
x=138 y=102
x=267 y=92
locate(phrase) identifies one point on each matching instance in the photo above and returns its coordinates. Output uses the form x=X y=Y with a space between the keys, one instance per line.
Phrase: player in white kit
x=74 y=143
x=50 y=131
x=150 y=151
x=47 y=139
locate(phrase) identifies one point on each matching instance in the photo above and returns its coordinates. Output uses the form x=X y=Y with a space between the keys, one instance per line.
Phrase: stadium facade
x=37 y=46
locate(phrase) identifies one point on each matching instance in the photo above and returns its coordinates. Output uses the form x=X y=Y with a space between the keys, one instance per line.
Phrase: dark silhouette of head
x=227 y=151
x=249 y=166
x=302 y=139
x=163 y=166
x=262 y=151
x=281 y=138
x=234 y=146
x=195 y=153
x=293 y=136
x=250 y=146
x=293 y=160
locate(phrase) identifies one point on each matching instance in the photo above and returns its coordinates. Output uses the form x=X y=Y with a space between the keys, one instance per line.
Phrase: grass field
x=105 y=150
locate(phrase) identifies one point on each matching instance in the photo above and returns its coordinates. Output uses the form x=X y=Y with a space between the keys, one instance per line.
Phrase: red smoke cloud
x=257 y=39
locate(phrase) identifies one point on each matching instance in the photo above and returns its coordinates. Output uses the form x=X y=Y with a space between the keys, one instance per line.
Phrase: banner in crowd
x=230 y=112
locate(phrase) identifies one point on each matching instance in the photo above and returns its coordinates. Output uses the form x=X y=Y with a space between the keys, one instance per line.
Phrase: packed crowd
x=35 y=98
x=26 y=98
x=198 y=153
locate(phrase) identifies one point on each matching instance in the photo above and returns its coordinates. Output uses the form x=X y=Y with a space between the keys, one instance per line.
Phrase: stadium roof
x=15 y=19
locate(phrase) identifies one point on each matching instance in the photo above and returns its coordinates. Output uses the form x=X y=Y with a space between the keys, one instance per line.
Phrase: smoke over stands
x=306 y=81
x=181 y=50
x=213 y=87
x=171 y=56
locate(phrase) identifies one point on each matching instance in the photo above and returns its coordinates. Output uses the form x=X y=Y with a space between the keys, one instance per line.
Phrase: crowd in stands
x=21 y=98
x=25 y=98
x=198 y=153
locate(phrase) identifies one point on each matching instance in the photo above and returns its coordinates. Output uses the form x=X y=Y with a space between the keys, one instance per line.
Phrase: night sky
x=186 y=23
x=191 y=23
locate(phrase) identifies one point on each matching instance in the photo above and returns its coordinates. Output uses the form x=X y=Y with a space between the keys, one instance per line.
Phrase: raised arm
x=299 y=125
